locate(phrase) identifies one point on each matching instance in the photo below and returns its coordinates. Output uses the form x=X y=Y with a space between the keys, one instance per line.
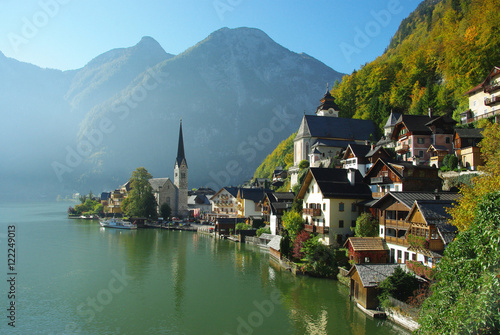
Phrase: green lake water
x=74 y=277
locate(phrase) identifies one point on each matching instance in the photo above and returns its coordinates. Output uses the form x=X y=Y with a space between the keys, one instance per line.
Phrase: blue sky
x=66 y=34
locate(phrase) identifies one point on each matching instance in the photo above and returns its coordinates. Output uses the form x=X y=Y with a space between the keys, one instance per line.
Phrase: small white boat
x=117 y=223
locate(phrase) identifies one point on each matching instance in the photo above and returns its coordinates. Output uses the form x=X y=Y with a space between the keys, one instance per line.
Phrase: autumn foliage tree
x=464 y=212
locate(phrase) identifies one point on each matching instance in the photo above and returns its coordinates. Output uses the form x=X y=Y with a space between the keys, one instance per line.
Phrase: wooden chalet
x=385 y=177
x=428 y=229
x=367 y=250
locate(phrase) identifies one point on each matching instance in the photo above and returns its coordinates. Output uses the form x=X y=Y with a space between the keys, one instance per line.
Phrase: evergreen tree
x=141 y=201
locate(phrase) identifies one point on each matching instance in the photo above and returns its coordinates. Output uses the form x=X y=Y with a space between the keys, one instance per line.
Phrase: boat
x=117 y=223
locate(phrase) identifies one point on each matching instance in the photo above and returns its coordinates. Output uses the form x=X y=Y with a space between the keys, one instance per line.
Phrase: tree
x=366 y=226
x=165 y=210
x=141 y=201
x=399 y=285
x=293 y=223
x=304 y=164
x=463 y=213
x=320 y=259
x=298 y=243
x=465 y=298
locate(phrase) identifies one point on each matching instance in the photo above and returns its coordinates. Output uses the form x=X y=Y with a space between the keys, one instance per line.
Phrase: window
x=413 y=257
x=341 y=223
x=399 y=254
x=324 y=207
x=420 y=140
x=341 y=207
x=420 y=153
x=407 y=257
x=448 y=140
x=353 y=223
x=381 y=231
x=353 y=207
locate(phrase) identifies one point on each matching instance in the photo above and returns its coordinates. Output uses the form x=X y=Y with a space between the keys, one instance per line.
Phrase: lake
x=74 y=277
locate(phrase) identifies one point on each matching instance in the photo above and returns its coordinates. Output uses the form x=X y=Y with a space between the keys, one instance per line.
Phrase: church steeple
x=328 y=106
x=180 y=149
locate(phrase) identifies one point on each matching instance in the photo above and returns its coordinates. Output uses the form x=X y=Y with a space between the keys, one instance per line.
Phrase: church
x=175 y=193
x=322 y=137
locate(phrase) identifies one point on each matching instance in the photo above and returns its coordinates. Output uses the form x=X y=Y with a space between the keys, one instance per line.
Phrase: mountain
x=238 y=93
x=440 y=51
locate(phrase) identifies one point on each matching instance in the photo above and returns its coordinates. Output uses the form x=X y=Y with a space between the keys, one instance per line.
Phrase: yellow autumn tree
x=463 y=213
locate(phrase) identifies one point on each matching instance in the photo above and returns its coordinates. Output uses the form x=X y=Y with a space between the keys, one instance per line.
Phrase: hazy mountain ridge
x=238 y=92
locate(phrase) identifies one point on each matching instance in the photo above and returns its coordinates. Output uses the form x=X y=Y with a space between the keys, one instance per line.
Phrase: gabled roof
x=275 y=243
x=396 y=168
x=443 y=119
x=414 y=123
x=335 y=128
x=334 y=183
x=373 y=274
x=495 y=71
x=266 y=236
x=375 y=149
x=409 y=198
x=231 y=190
x=358 y=150
x=156 y=183
x=253 y=194
x=434 y=147
x=469 y=133
x=367 y=244
x=433 y=211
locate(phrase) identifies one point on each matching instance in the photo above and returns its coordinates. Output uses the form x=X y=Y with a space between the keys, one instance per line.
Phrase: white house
x=330 y=202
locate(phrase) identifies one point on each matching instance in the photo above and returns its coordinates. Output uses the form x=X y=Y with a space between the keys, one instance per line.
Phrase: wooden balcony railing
x=310 y=228
x=397 y=240
x=401 y=147
x=491 y=88
x=380 y=180
x=491 y=101
x=312 y=211
x=322 y=230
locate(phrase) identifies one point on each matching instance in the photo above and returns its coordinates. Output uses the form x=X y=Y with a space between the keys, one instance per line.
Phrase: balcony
x=397 y=240
x=491 y=101
x=312 y=211
x=492 y=87
x=322 y=230
x=310 y=228
x=380 y=180
x=400 y=147
x=468 y=118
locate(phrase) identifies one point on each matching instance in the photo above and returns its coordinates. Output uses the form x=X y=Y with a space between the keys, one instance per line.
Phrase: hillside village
x=340 y=174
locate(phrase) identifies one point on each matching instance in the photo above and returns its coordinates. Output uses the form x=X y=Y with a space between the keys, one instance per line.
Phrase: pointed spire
x=180 y=148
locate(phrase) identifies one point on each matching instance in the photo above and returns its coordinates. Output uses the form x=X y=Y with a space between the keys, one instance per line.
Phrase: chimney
x=430 y=112
x=351 y=175
x=436 y=195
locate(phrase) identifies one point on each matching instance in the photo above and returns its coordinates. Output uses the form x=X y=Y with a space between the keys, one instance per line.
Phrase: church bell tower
x=181 y=177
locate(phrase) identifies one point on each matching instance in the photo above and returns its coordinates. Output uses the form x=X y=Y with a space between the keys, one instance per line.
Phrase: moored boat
x=117 y=223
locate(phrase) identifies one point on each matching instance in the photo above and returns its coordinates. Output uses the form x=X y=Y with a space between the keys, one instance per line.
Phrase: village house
x=362 y=157
x=429 y=231
x=484 y=99
x=275 y=247
x=414 y=134
x=384 y=177
x=224 y=203
x=273 y=206
x=367 y=250
x=465 y=144
x=330 y=202
x=323 y=137
x=392 y=212
x=249 y=202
